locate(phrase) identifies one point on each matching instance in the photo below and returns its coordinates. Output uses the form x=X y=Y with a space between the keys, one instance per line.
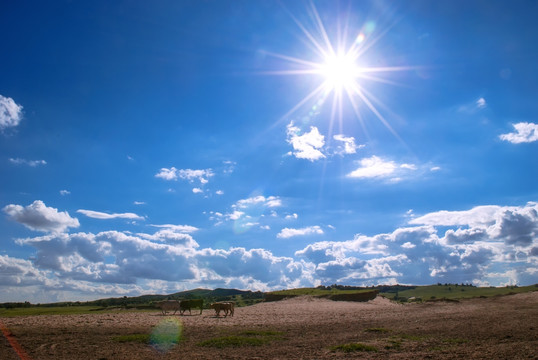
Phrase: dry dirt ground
x=303 y=328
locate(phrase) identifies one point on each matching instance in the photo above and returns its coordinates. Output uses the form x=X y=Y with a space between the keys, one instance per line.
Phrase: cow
x=168 y=305
x=226 y=306
x=191 y=304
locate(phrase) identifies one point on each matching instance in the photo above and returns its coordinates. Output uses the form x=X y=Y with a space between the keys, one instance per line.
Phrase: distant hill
x=336 y=292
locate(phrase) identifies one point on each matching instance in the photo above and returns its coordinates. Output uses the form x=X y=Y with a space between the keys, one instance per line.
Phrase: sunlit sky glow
x=153 y=148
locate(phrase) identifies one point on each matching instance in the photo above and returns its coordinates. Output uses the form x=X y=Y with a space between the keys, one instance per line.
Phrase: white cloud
x=484 y=245
x=65 y=192
x=291 y=217
x=37 y=216
x=235 y=215
x=260 y=200
x=229 y=166
x=525 y=133
x=153 y=261
x=107 y=216
x=191 y=175
x=310 y=230
x=10 y=113
x=167 y=174
x=477 y=216
x=32 y=163
x=308 y=145
x=474 y=106
x=139 y=202
x=495 y=237
x=435 y=168
x=408 y=166
x=349 y=146
x=186 y=174
x=247 y=212
x=178 y=228
x=197 y=190
x=219 y=192
x=373 y=167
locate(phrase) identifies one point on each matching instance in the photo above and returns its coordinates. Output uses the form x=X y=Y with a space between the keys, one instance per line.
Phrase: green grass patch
x=394 y=344
x=412 y=337
x=354 y=347
x=55 y=310
x=455 y=341
x=377 y=330
x=233 y=341
x=136 y=338
x=244 y=338
x=262 y=333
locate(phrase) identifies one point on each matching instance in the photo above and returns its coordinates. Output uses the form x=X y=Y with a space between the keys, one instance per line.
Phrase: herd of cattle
x=176 y=305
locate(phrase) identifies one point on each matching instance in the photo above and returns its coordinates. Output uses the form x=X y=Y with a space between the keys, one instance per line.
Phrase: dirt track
x=493 y=328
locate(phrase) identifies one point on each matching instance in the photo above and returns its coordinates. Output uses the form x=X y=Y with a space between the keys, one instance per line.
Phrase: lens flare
x=166 y=334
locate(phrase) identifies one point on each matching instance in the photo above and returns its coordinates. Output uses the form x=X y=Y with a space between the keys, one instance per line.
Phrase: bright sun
x=340 y=68
x=340 y=72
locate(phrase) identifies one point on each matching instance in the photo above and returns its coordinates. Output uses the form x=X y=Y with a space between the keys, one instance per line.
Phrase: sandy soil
x=493 y=328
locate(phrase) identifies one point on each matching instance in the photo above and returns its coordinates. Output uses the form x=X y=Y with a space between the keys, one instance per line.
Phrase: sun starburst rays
x=343 y=71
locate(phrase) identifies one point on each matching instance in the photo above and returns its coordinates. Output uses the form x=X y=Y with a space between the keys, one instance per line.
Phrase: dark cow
x=191 y=304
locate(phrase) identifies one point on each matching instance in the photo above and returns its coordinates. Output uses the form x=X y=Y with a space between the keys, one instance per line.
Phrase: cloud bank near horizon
x=485 y=245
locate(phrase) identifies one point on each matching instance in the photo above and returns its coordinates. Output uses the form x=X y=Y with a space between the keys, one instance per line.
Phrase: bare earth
x=493 y=328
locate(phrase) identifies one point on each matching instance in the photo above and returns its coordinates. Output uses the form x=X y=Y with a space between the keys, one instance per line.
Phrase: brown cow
x=168 y=305
x=226 y=306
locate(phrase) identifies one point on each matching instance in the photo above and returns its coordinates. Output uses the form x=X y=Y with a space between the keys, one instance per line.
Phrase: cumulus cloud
x=65 y=192
x=165 y=257
x=373 y=167
x=260 y=200
x=178 y=228
x=37 y=216
x=477 y=241
x=197 y=190
x=10 y=113
x=310 y=230
x=246 y=213
x=307 y=145
x=525 y=132
x=167 y=174
x=31 y=163
x=477 y=216
x=107 y=216
x=219 y=192
x=483 y=245
x=18 y=272
x=185 y=174
x=348 y=146
x=191 y=175
x=512 y=225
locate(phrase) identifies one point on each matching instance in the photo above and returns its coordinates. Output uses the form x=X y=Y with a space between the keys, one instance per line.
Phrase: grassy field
x=454 y=292
x=420 y=293
x=58 y=310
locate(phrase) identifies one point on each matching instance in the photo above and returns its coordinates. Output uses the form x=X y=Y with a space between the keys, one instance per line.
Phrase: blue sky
x=157 y=147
